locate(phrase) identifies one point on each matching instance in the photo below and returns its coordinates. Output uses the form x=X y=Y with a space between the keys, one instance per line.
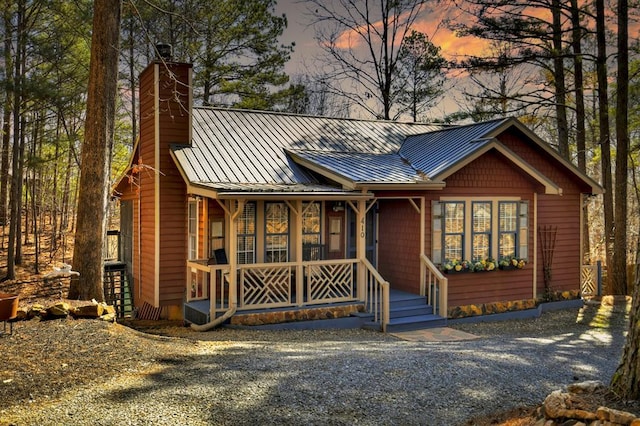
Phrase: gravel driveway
x=345 y=377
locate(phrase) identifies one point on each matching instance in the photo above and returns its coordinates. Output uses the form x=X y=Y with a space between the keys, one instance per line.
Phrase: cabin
x=256 y=217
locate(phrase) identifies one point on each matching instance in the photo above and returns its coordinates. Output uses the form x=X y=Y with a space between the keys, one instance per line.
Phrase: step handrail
x=377 y=295
x=433 y=281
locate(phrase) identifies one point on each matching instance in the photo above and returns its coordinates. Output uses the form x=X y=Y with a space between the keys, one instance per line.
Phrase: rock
x=89 y=311
x=37 y=311
x=59 y=310
x=615 y=416
x=561 y=405
x=554 y=404
x=108 y=317
x=589 y=386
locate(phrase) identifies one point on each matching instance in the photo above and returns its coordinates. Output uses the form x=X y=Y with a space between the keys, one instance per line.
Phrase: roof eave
x=283 y=195
x=381 y=186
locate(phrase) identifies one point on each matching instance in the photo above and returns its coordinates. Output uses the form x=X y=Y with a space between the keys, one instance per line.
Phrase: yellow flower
x=458 y=267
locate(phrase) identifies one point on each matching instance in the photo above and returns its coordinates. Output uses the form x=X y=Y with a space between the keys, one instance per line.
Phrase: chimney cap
x=164 y=51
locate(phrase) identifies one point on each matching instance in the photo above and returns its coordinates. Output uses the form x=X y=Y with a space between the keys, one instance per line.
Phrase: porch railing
x=376 y=295
x=591 y=280
x=434 y=285
x=273 y=285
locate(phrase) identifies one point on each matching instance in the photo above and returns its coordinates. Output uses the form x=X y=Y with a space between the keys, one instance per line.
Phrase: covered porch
x=243 y=260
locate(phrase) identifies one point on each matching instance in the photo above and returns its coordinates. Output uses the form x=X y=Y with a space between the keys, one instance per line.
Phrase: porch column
x=299 y=269
x=423 y=229
x=361 y=247
x=233 y=251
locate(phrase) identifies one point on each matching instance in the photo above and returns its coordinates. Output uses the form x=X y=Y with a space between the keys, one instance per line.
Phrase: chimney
x=164 y=51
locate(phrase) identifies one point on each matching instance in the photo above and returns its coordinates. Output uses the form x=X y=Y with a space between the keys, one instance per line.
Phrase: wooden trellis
x=547 y=234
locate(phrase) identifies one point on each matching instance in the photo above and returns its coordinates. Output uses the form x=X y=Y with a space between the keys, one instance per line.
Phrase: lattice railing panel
x=265 y=287
x=330 y=282
x=589 y=280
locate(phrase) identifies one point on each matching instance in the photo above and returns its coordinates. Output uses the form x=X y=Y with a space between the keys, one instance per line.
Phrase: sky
x=300 y=32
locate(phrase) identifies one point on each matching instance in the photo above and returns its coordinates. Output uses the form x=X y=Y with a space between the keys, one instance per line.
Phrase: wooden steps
x=409 y=312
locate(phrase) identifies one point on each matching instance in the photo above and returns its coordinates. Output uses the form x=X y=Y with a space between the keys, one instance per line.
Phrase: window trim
x=489 y=233
x=192 y=235
x=240 y=235
x=267 y=234
x=305 y=209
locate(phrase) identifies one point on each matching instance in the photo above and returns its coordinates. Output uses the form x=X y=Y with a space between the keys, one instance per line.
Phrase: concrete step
x=417 y=322
x=409 y=311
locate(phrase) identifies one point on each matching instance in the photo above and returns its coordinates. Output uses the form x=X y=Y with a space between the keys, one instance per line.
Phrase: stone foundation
x=276 y=317
x=464 y=311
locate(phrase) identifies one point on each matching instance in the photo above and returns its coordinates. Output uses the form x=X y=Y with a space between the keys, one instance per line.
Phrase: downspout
x=233 y=303
x=216 y=322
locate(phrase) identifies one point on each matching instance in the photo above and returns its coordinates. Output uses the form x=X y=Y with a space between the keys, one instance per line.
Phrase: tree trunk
x=622 y=153
x=559 y=81
x=581 y=134
x=96 y=151
x=16 y=178
x=626 y=380
x=603 y=125
x=6 y=115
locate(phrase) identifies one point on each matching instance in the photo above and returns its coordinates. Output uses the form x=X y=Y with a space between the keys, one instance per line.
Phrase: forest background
x=566 y=69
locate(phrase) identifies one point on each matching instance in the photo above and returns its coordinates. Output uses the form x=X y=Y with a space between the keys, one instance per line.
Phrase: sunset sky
x=306 y=48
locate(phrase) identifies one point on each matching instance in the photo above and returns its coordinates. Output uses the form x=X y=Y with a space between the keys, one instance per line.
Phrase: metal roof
x=240 y=151
x=239 y=147
x=434 y=152
x=364 y=167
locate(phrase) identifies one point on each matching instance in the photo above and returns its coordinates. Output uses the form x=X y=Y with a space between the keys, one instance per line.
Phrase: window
x=276 y=232
x=216 y=234
x=453 y=231
x=246 y=225
x=311 y=242
x=192 y=229
x=479 y=229
x=508 y=229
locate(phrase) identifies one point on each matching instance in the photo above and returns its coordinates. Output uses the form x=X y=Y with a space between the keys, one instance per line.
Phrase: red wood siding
x=399 y=244
x=561 y=211
x=147 y=189
x=174 y=126
x=171 y=215
x=491 y=175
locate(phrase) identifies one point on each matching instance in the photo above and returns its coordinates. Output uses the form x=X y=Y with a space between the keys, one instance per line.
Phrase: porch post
x=361 y=247
x=534 y=256
x=299 y=269
x=233 y=251
x=423 y=267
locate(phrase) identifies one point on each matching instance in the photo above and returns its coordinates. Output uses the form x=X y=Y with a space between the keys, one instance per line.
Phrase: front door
x=371 y=235
x=335 y=231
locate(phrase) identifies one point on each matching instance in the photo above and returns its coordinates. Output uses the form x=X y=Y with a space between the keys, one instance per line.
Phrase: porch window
x=453 y=230
x=311 y=243
x=276 y=232
x=246 y=224
x=192 y=229
x=481 y=230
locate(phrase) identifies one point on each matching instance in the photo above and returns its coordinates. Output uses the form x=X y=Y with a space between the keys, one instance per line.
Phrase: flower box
x=510 y=264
